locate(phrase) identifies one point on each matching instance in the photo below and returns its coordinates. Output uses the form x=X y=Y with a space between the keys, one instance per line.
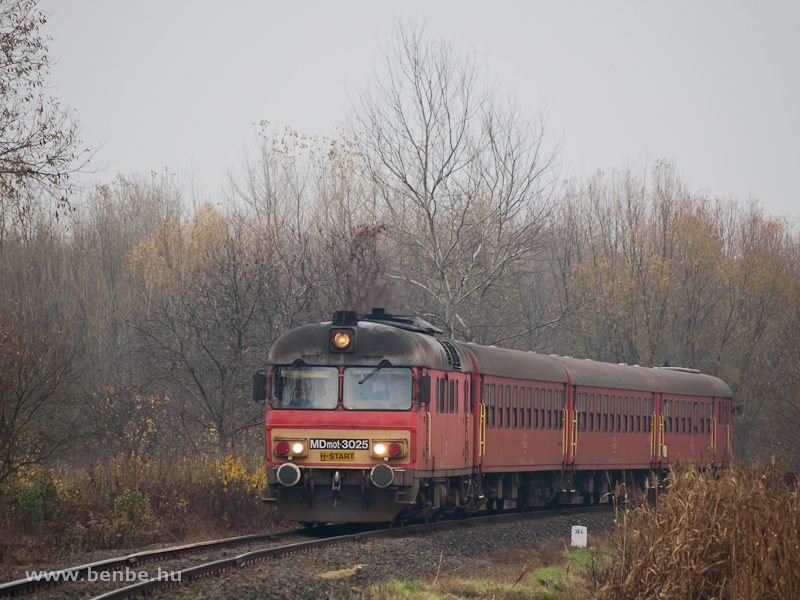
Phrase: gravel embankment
x=499 y=551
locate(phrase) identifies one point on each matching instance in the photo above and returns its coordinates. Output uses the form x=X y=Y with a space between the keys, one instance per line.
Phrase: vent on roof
x=452 y=355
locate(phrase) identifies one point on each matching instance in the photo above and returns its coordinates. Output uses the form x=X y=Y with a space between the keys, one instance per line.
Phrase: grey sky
x=714 y=86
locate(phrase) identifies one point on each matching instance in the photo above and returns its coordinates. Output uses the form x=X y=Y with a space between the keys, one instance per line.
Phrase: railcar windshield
x=305 y=387
x=377 y=388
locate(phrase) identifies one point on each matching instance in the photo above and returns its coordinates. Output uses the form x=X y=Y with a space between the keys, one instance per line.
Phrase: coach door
x=656 y=420
x=466 y=412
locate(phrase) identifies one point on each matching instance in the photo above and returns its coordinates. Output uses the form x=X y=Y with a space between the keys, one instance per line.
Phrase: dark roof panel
x=690 y=384
x=501 y=362
x=374 y=342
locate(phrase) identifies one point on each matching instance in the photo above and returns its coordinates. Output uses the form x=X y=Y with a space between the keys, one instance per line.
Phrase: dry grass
x=129 y=503
x=730 y=535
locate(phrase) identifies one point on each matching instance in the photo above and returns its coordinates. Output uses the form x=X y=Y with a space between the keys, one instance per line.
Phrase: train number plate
x=337 y=456
x=338 y=444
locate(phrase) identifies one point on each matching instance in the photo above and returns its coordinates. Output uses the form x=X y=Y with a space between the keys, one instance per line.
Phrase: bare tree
x=36 y=371
x=39 y=145
x=464 y=181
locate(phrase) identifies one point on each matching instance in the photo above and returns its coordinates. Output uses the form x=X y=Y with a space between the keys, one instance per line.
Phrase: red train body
x=378 y=417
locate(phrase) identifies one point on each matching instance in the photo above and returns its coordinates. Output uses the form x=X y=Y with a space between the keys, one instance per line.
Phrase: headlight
x=379 y=449
x=341 y=339
x=298 y=447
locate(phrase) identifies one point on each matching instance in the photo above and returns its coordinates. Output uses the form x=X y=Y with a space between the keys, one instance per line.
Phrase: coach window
x=541 y=408
x=500 y=405
x=489 y=402
x=689 y=417
x=676 y=419
x=613 y=413
x=694 y=419
x=508 y=406
x=587 y=412
x=709 y=413
x=632 y=415
x=673 y=415
x=702 y=417
x=536 y=420
x=672 y=409
x=582 y=414
x=549 y=409
x=625 y=408
x=512 y=401
x=492 y=403
x=597 y=410
x=529 y=408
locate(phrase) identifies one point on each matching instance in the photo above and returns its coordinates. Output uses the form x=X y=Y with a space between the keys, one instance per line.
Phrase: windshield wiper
x=383 y=363
x=291 y=368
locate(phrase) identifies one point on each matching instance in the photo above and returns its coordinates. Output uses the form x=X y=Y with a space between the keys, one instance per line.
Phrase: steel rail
x=254 y=556
x=74 y=574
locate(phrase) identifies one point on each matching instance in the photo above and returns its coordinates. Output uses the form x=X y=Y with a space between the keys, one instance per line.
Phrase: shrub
x=35 y=499
x=132 y=505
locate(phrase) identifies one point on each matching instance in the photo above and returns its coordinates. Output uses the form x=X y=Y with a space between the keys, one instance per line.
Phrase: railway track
x=320 y=537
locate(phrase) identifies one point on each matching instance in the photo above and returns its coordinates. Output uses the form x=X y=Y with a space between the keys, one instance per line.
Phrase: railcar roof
x=375 y=342
x=501 y=362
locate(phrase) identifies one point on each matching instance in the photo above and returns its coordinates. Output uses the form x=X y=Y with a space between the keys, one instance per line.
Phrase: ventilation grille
x=452 y=355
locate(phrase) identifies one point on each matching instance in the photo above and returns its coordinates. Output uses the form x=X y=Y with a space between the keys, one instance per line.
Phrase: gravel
x=499 y=550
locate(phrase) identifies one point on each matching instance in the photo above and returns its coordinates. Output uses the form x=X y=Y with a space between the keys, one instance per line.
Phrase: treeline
x=136 y=324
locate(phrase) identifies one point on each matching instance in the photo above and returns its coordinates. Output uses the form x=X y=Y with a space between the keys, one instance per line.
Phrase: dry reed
x=732 y=534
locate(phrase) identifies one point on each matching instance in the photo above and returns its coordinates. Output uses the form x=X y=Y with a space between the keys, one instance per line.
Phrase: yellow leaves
x=233 y=471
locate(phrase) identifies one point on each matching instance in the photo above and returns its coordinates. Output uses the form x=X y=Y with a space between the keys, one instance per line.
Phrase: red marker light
x=395 y=449
x=282 y=448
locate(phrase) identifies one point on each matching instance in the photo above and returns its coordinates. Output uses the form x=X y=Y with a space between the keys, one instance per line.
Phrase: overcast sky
x=714 y=86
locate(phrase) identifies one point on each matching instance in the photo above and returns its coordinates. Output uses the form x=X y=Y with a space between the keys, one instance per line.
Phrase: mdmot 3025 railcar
x=380 y=417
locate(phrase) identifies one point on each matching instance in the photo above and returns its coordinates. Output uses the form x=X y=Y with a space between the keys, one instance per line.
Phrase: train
x=378 y=418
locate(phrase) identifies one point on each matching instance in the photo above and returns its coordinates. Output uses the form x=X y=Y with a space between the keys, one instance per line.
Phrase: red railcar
x=377 y=417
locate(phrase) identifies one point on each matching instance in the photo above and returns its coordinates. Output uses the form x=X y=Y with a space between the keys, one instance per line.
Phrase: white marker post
x=579 y=536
